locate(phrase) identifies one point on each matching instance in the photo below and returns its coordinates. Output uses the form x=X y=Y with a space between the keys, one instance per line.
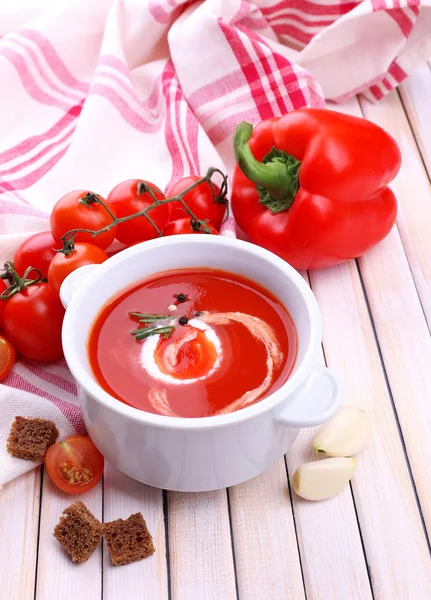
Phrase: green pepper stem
x=276 y=177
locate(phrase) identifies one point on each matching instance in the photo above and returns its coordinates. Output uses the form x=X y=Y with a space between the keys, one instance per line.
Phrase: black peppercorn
x=183 y=320
x=181 y=297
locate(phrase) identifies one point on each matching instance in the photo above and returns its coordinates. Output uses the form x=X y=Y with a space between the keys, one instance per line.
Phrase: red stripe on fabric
x=218 y=88
x=37 y=156
x=28 y=81
x=415 y=9
x=72 y=412
x=226 y=127
x=307 y=7
x=397 y=72
x=378 y=5
x=294 y=32
x=129 y=115
x=248 y=69
x=257 y=47
x=289 y=77
x=53 y=59
x=8 y=207
x=377 y=92
x=178 y=100
x=110 y=60
x=303 y=21
x=402 y=20
x=63 y=384
x=254 y=24
x=33 y=141
x=171 y=143
x=192 y=137
x=75 y=97
x=30 y=179
x=387 y=85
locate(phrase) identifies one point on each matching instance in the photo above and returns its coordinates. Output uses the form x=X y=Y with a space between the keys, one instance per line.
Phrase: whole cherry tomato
x=32 y=321
x=181 y=226
x=130 y=197
x=7 y=357
x=80 y=210
x=74 y=465
x=37 y=251
x=63 y=264
x=200 y=201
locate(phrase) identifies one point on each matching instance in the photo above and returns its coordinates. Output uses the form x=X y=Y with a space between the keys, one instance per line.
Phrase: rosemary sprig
x=141 y=334
x=154 y=329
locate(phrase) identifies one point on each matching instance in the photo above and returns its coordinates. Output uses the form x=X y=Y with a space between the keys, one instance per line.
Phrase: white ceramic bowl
x=212 y=452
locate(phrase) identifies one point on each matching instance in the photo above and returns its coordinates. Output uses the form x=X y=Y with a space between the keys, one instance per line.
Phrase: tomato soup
x=192 y=343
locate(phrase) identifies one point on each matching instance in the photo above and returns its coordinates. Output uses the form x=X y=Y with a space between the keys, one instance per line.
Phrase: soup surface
x=221 y=343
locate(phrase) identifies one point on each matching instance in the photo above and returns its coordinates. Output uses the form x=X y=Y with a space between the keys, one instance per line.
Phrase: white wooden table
x=258 y=540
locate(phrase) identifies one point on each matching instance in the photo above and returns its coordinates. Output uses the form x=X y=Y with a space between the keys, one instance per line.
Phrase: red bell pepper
x=311 y=186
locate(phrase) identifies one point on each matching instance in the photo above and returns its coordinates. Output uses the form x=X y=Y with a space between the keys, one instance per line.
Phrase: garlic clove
x=345 y=434
x=323 y=479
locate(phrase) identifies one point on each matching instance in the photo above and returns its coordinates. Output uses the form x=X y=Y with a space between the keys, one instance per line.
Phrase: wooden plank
x=19 y=519
x=200 y=547
x=391 y=528
x=416 y=93
x=398 y=312
x=328 y=533
x=57 y=575
x=124 y=496
x=266 y=552
x=413 y=190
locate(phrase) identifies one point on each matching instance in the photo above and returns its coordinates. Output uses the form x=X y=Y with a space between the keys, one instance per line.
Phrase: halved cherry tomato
x=71 y=213
x=74 y=465
x=62 y=265
x=37 y=251
x=128 y=198
x=181 y=226
x=32 y=321
x=199 y=200
x=7 y=357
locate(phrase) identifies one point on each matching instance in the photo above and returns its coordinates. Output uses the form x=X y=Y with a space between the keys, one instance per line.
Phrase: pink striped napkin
x=96 y=92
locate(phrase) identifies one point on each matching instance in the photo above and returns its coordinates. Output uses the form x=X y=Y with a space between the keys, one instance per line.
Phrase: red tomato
x=62 y=265
x=126 y=200
x=37 y=251
x=69 y=214
x=199 y=200
x=183 y=226
x=32 y=321
x=3 y=286
x=7 y=357
x=74 y=465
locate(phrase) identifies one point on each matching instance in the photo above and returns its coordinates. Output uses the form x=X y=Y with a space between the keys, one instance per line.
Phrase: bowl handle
x=74 y=281
x=315 y=402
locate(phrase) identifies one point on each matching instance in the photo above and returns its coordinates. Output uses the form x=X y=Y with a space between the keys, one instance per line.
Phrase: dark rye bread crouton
x=79 y=532
x=30 y=438
x=128 y=540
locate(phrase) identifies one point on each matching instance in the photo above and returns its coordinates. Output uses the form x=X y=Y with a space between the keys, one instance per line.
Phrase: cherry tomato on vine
x=74 y=465
x=3 y=286
x=32 y=321
x=80 y=210
x=200 y=201
x=7 y=357
x=181 y=226
x=63 y=264
x=130 y=197
x=37 y=251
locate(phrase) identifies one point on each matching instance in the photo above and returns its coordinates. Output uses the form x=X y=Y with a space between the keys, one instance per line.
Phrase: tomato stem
x=196 y=224
x=17 y=283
